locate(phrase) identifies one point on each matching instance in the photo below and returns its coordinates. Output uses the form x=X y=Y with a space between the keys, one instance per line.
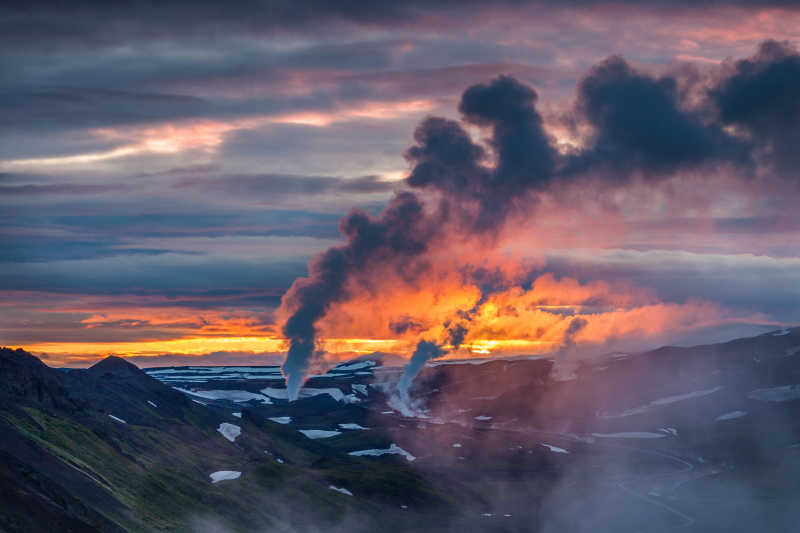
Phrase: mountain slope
x=111 y=449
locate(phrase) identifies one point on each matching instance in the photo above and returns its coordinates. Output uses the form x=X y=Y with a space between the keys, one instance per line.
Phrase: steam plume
x=425 y=352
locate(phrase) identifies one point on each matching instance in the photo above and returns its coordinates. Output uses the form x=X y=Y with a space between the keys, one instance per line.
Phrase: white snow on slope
x=203 y=370
x=483 y=417
x=361 y=365
x=229 y=431
x=281 y=419
x=781 y=333
x=206 y=374
x=340 y=489
x=152 y=403
x=231 y=395
x=237 y=414
x=223 y=475
x=351 y=426
x=776 y=394
x=662 y=401
x=555 y=449
x=308 y=392
x=392 y=449
x=319 y=433
x=359 y=388
x=730 y=416
x=121 y=421
x=629 y=435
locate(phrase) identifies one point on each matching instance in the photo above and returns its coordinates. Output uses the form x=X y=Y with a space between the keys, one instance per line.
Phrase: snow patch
x=223 y=475
x=776 y=394
x=554 y=449
x=730 y=416
x=238 y=414
x=781 y=333
x=340 y=489
x=152 y=403
x=629 y=435
x=361 y=389
x=309 y=392
x=457 y=445
x=351 y=426
x=662 y=401
x=319 y=433
x=392 y=449
x=229 y=431
x=361 y=365
x=116 y=419
x=281 y=419
x=230 y=395
x=483 y=417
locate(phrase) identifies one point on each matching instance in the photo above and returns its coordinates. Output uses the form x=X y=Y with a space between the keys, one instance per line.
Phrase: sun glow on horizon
x=335 y=349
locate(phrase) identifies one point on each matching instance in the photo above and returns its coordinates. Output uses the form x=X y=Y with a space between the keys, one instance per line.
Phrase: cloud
x=446 y=159
x=31 y=189
x=639 y=125
x=47 y=22
x=759 y=96
x=282 y=185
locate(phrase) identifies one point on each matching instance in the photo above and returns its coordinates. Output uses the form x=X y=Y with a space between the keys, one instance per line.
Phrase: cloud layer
x=203 y=155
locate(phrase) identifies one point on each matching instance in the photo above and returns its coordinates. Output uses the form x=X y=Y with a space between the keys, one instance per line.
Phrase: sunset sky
x=166 y=173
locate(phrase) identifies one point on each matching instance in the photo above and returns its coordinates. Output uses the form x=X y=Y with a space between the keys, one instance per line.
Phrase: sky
x=528 y=177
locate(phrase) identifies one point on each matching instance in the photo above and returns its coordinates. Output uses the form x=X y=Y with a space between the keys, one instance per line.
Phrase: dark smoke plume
x=447 y=161
x=762 y=97
x=400 y=232
x=641 y=126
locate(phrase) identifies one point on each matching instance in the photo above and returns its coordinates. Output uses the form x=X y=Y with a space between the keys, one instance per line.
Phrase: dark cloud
x=639 y=125
x=525 y=157
x=144 y=274
x=124 y=227
x=405 y=325
x=42 y=249
x=446 y=159
x=43 y=23
x=761 y=97
x=456 y=334
x=282 y=185
x=86 y=107
x=60 y=188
